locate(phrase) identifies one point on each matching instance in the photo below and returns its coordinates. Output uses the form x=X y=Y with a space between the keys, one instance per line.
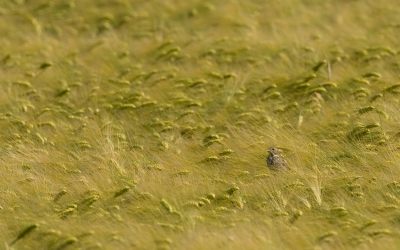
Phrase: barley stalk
x=24 y=233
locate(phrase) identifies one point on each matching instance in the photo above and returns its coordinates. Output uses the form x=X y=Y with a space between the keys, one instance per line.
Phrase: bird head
x=273 y=150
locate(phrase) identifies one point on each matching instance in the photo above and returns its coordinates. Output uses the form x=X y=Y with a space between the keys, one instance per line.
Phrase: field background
x=133 y=124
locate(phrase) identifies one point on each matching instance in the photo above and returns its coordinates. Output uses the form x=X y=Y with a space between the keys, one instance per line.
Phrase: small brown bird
x=275 y=160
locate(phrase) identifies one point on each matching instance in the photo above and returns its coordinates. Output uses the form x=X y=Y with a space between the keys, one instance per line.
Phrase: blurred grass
x=144 y=124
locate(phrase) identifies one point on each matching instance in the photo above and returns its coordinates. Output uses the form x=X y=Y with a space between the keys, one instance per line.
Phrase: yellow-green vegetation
x=135 y=124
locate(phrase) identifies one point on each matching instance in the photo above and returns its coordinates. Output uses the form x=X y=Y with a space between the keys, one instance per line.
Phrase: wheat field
x=133 y=124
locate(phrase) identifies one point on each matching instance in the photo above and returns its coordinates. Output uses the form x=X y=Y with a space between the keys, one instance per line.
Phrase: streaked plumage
x=275 y=160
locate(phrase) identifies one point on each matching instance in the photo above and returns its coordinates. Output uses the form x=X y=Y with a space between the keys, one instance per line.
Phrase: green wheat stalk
x=24 y=233
x=121 y=192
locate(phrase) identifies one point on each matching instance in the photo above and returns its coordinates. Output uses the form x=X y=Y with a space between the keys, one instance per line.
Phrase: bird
x=275 y=160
